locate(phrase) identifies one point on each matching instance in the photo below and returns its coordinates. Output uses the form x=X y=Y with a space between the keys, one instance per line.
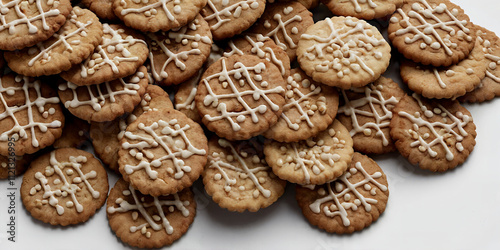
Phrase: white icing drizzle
x=62 y=36
x=428 y=31
x=489 y=52
x=373 y=97
x=172 y=139
x=151 y=10
x=280 y=28
x=438 y=78
x=18 y=6
x=441 y=136
x=174 y=38
x=356 y=5
x=112 y=43
x=344 y=189
x=19 y=130
x=69 y=183
x=242 y=74
x=141 y=207
x=189 y=103
x=223 y=165
x=223 y=15
x=104 y=92
x=347 y=46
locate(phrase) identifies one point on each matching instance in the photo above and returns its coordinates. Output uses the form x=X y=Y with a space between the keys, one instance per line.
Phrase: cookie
x=231 y=17
x=102 y=8
x=343 y=52
x=352 y=202
x=75 y=133
x=363 y=9
x=240 y=96
x=105 y=101
x=262 y=47
x=32 y=123
x=64 y=187
x=170 y=52
x=435 y=135
x=316 y=160
x=238 y=177
x=366 y=113
x=435 y=32
x=489 y=87
x=162 y=152
x=446 y=82
x=284 y=23
x=147 y=221
x=156 y=15
x=74 y=42
x=13 y=165
x=309 y=108
x=26 y=23
x=120 y=53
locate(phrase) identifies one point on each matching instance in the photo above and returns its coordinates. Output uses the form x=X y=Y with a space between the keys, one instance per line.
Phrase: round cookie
x=105 y=101
x=240 y=96
x=363 y=9
x=37 y=22
x=352 y=202
x=156 y=15
x=435 y=32
x=162 y=152
x=177 y=55
x=102 y=8
x=64 y=187
x=146 y=221
x=446 y=82
x=437 y=136
x=343 y=52
x=120 y=53
x=366 y=112
x=316 y=160
x=231 y=17
x=13 y=166
x=74 y=42
x=30 y=123
x=75 y=133
x=284 y=23
x=309 y=108
x=238 y=177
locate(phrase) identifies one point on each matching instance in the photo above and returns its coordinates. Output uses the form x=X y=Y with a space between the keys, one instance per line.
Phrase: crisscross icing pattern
x=342 y=188
x=490 y=52
x=281 y=28
x=228 y=10
x=17 y=6
x=19 y=130
x=356 y=5
x=151 y=9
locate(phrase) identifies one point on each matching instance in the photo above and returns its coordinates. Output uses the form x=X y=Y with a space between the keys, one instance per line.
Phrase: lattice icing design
x=357 y=6
x=442 y=131
x=223 y=163
x=103 y=93
x=67 y=183
x=174 y=38
x=18 y=6
x=343 y=189
x=156 y=221
x=64 y=37
x=243 y=75
x=172 y=139
x=372 y=98
x=348 y=45
x=19 y=130
x=281 y=28
x=228 y=10
x=428 y=31
x=112 y=42
x=490 y=52
x=150 y=8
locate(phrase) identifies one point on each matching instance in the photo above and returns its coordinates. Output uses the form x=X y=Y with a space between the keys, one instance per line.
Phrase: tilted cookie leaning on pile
x=242 y=119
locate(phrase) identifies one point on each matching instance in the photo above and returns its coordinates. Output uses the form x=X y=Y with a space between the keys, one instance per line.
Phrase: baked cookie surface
x=363 y=9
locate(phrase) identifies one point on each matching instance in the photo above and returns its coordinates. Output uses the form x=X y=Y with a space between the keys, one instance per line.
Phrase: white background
x=458 y=209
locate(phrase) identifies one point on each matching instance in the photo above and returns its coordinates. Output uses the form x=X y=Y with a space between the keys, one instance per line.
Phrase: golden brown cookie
x=343 y=52
x=435 y=32
x=11 y=166
x=238 y=177
x=102 y=8
x=64 y=187
x=435 y=135
x=366 y=112
x=75 y=133
x=315 y=160
x=309 y=108
x=146 y=221
x=162 y=152
x=240 y=96
x=32 y=123
x=363 y=9
x=352 y=202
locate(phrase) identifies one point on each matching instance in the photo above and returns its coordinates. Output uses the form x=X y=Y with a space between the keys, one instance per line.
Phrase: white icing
x=223 y=12
x=17 y=7
x=356 y=5
x=281 y=28
x=151 y=9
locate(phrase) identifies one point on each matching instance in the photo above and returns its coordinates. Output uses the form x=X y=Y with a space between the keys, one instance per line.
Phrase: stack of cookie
x=242 y=118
